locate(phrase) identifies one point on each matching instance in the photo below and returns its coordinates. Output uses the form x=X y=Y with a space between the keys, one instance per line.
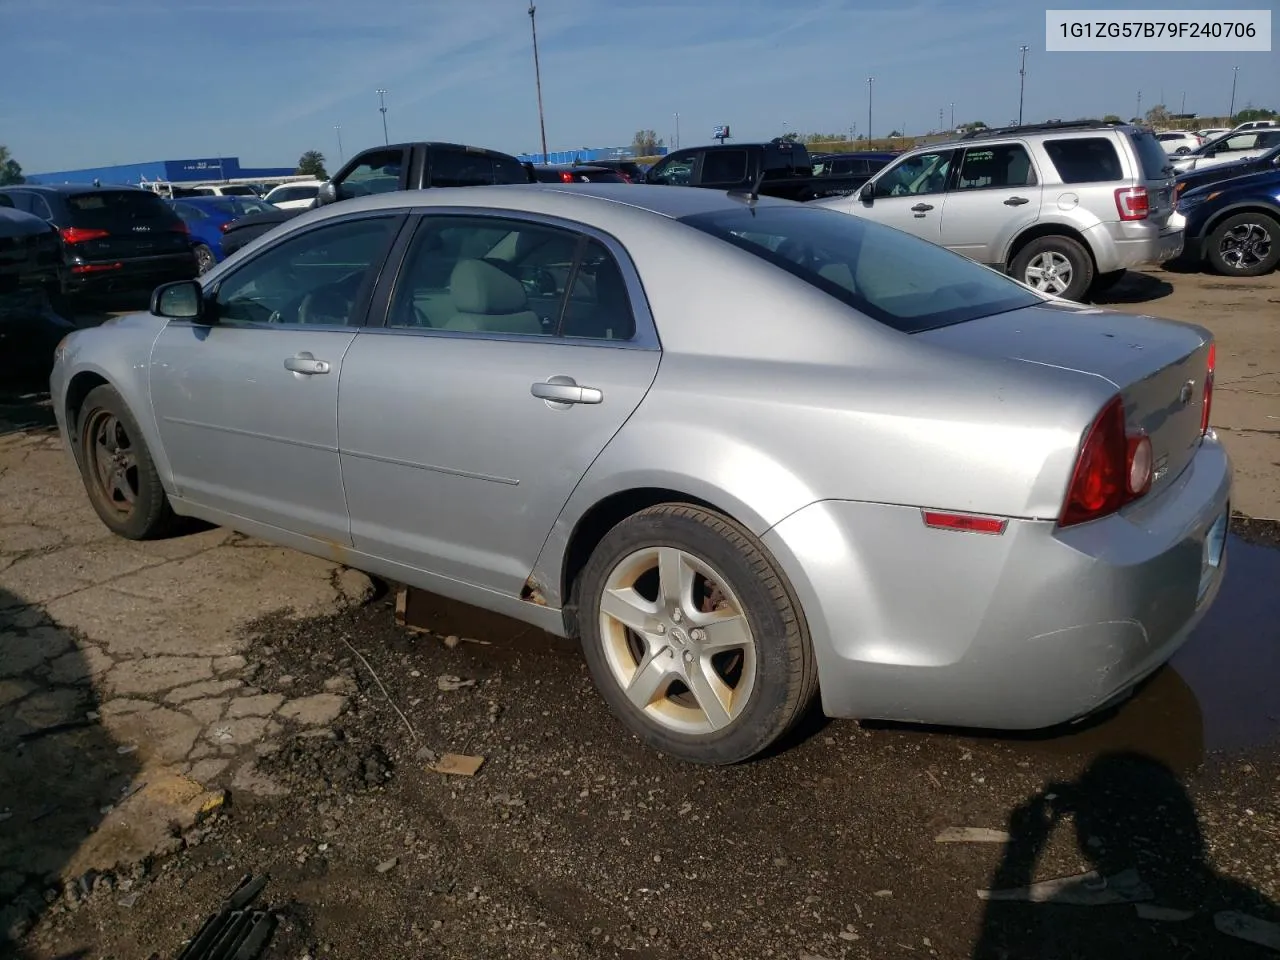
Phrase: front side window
x=922 y=173
x=1002 y=166
x=377 y=172
x=901 y=281
x=316 y=277
x=492 y=275
x=677 y=170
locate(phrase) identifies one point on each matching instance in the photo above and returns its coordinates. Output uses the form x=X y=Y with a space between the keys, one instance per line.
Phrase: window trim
x=646 y=335
x=211 y=283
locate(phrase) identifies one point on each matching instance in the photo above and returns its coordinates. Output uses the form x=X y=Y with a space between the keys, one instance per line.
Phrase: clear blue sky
x=97 y=82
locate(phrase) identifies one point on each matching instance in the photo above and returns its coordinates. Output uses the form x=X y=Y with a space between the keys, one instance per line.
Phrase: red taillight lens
x=80 y=234
x=1133 y=203
x=966 y=522
x=1208 y=389
x=1114 y=468
x=226 y=226
x=566 y=176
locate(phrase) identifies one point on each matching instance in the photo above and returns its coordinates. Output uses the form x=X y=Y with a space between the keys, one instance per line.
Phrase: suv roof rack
x=1047 y=126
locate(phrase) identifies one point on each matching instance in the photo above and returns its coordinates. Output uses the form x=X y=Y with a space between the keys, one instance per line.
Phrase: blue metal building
x=585 y=155
x=176 y=171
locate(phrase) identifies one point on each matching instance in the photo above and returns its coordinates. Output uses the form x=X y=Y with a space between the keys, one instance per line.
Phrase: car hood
x=1263 y=179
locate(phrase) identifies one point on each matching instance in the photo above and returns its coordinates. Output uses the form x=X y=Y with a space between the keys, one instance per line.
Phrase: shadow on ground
x=60 y=770
x=1134 y=287
x=1136 y=826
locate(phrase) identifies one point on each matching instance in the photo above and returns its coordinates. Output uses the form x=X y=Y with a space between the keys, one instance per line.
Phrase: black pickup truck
x=786 y=167
x=400 y=166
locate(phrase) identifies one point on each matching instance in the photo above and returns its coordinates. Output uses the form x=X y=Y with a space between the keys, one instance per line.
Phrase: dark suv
x=113 y=237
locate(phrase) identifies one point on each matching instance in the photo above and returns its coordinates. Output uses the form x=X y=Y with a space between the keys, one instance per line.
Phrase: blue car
x=1235 y=224
x=207 y=218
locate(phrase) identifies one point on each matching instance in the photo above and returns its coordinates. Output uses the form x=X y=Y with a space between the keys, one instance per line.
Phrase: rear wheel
x=1055 y=265
x=205 y=259
x=693 y=636
x=1245 y=245
x=118 y=472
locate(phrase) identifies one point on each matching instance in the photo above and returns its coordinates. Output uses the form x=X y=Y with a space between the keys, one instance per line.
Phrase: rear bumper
x=140 y=273
x=1028 y=629
x=1127 y=245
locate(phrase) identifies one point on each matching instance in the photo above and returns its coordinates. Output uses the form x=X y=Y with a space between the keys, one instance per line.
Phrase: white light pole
x=1235 y=72
x=1022 y=80
x=382 y=108
x=870 y=81
x=338 y=130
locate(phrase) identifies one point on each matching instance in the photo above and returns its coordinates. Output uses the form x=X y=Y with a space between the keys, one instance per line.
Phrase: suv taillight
x=80 y=234
x=1208 y=389
x=1114 y=468
x=1133 y=203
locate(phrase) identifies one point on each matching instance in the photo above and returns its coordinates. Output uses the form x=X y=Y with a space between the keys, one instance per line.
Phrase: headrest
x=480 y=287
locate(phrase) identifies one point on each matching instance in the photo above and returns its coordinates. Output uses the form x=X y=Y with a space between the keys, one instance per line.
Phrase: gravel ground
x=574 y=841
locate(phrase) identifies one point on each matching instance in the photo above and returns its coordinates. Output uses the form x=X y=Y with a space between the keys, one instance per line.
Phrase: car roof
x=70 y=188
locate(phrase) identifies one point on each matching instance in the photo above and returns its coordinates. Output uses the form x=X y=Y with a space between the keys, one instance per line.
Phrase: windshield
x=114 y=209
x=899 y=280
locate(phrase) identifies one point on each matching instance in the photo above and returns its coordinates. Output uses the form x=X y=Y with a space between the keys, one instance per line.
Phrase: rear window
x=902 y=281
x=1086 y=159
x=103 y=209
x=1155 y=162
x=238 y=191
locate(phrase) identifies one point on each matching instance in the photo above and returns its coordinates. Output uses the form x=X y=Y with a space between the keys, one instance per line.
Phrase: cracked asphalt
x=174 y=715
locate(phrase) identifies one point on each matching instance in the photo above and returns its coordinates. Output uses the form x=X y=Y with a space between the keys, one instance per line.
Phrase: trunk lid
x=137 y=223
x=1158 y=366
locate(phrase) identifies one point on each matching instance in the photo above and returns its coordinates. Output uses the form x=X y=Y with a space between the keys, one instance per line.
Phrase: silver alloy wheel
x=204 y=259
x=1245 y=246
x=676 y=640
x=1049 y=272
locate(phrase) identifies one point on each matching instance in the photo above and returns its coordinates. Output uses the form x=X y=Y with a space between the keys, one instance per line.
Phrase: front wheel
x=205 y=260
x=1055 y=265
x=118 y=472
x=1245 y=245
x=693 y=636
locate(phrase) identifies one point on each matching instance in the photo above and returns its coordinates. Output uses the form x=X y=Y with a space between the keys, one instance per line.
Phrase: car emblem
x=1187 y=391
x=141 y=229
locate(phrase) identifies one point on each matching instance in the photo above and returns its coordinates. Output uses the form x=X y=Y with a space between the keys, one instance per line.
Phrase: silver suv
x=1064 y=207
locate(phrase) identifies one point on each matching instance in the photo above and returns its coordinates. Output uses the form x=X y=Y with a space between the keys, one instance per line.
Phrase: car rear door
x=513 y=350
x=108 y=225
x=247 y=408
x=996 y=193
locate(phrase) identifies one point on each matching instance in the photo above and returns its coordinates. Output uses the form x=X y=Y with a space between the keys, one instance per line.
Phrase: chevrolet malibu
x=752 y=454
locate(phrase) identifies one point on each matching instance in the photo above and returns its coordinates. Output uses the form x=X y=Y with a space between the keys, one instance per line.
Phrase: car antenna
x=753 y=194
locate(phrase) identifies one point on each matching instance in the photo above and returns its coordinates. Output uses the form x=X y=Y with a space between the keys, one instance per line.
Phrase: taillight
x=1208 y=389
x=966 y=522
x=80 y=234
x=1114 y=468
x=1133 y=203
x=225 y=227
x=566 y=176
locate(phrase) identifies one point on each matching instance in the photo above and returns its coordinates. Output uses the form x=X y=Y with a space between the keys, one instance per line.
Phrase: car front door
x=513 y=350
x=995 y=194
x=908 y=195
x=247 y=407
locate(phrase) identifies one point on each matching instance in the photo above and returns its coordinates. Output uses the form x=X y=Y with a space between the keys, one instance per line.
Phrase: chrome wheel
x=1245 y=246
x=1049 y=272
x=204 y=259
x=676 y=640
x=114 y=461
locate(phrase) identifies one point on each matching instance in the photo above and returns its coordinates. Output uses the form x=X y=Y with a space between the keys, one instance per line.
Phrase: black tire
x=1105 y=281
x=205 y=260
x=785 y=677
x=141 y=513
x=1244 y=245
x=1058 y=247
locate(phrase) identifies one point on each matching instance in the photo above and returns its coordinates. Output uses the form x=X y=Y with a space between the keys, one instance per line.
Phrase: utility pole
x=870 y=81
x=537 y=75
x=939 y=119
x=338 y=131
x=1138 y=115
x=1183 y=111
x=1022 y=80
x=382 y=108
x=953 y=116
x=677 y=136
x=1235 y=72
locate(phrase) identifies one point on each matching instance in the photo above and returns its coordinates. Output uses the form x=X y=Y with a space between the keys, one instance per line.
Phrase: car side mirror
x=867 y=192
x=328 y=193
x=180 y=300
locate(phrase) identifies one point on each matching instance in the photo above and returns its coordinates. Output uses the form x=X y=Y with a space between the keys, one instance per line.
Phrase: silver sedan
x=752 y=454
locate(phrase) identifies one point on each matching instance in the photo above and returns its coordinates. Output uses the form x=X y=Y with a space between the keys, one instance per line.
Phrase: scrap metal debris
x=449 y=683
x=458 y=764
x=1085 y=890
x=1244 y=927
x=972 y=835
x=234 y=932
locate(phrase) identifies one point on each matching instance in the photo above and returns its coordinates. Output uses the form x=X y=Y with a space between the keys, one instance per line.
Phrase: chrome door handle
x=307 y=364
x=921 y=207
x=560 y=389
x=1016 y=201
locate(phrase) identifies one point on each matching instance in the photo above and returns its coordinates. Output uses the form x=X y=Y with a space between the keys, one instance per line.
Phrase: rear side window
x=1155 y=162
x=508 y=170
x=104 y=209
x=453 y=168
x=724 y=166
x=1087 y=159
